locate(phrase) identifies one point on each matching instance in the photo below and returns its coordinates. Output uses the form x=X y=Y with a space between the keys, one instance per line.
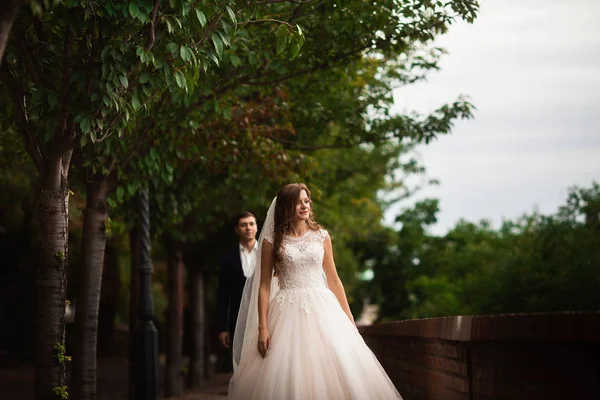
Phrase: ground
x=16 y=383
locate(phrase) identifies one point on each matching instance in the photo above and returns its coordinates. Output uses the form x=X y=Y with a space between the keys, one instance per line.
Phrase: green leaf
x=235 y=60
x=281 y=43
x=294 y=47
x=52 y=99
x=135 y=103
x=109 y=10
x=147 y=91
x=124 y=81
x=120 y=193
x=201 y=17
x=144 y=77
x=231 y=15
x=282 y=30
x=178 y=22
x=147 y=5
x=157 y=62
x=224 y=38
x=85 y=125
x=172 y=47
x=180 y=79
x=213 y=57
x=131 y=189
x=184 y=53
x=218 y=44
x=100 y=123
x=295 y=50
x=133 y=10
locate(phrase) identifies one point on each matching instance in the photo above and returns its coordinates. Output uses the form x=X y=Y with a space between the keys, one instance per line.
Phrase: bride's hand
x=264 y=340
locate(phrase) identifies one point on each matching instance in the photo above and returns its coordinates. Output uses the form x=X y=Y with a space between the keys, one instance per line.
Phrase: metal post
x=147 y=335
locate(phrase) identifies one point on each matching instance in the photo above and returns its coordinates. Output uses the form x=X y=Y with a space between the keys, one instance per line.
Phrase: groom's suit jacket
x=231 y=286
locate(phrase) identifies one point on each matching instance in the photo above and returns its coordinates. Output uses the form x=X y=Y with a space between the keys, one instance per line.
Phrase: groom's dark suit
x=231 y=286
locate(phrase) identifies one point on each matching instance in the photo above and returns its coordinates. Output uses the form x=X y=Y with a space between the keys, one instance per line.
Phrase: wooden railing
x=509 y=357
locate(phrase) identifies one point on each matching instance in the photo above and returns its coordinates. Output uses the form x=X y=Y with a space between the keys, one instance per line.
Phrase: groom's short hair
x=241 y=215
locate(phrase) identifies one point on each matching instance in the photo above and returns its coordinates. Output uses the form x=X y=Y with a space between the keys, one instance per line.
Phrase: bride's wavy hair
x=285 y=210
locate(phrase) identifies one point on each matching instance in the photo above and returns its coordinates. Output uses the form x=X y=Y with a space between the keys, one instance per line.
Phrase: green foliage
x=61 y=392
x=59 y=353
x=534 y=264
x=260 y=115
x=114 y=228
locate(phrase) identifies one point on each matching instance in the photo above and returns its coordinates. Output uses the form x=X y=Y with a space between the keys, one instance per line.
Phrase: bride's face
x=303 y=206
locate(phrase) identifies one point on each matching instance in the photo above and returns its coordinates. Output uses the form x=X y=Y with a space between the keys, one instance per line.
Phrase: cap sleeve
x=269 y=238
x=323 y=233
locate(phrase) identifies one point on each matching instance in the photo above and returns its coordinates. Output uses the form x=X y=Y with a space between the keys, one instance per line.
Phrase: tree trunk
x=173 y=379
x=109 y=301
x=8 y=12
x=134 y=244
x=88 y=295
x=197 y=368
x=53 y=206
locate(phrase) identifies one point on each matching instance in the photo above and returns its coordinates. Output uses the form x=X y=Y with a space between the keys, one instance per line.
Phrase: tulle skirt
x=316 y=353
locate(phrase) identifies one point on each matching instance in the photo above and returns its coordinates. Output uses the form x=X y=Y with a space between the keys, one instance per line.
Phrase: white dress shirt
x=248 y=258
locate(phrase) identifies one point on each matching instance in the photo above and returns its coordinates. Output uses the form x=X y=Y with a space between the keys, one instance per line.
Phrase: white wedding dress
x=315 y=353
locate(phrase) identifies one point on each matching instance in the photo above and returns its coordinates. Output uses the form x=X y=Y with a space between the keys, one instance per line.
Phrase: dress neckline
x=298 y=237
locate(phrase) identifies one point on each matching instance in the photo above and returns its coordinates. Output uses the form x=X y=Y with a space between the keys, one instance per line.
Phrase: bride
x=295 y=337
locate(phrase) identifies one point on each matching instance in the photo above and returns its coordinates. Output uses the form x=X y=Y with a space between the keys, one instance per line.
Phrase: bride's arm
x=333 y=280
x=264 y=292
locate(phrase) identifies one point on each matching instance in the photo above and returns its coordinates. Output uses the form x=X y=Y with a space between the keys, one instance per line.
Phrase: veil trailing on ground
x=246 y=330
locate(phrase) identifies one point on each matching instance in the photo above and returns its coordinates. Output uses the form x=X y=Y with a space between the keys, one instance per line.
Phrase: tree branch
x=65 y=144
x=319 y=67
x=209 y=29
x=151 y=35
x=253 y=80
x=297 y=146
x=256 y=21
x=284 y=1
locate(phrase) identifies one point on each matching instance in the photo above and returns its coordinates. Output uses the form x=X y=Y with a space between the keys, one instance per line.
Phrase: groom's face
x=246 y=228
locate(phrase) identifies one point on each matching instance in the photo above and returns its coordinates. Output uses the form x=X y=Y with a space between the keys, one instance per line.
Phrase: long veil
x=246 y=329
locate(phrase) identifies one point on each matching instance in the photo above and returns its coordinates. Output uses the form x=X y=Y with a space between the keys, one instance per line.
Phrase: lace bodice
x=302 y=265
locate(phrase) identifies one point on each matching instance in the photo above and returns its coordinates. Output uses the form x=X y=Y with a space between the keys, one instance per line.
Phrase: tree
x=537 y=263
x=68 y=76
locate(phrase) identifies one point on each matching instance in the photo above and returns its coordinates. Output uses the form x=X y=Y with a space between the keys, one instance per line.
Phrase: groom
x=234 y=268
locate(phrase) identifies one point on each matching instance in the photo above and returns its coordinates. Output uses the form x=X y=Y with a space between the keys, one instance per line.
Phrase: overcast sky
x=532 y=69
